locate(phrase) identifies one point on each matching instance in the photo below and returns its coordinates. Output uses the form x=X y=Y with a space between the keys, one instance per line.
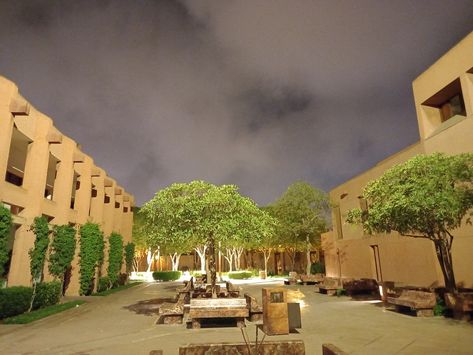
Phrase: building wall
x=351 y=253
x=57 y=182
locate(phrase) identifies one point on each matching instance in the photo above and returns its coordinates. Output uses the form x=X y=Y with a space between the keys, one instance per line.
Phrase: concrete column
x=7 y=90
x=34 y=183
x=97 y=203
x=118 y=212
x=466 y=81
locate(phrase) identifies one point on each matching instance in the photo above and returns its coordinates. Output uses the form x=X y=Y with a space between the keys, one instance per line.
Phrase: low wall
x=289 y=347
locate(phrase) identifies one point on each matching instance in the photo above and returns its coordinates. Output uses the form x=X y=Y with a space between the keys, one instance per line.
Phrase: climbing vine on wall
x=63 y=247
x=91 y=255
x=115 y=257
x=129 y=254
x=5 y=226
x=37 y=254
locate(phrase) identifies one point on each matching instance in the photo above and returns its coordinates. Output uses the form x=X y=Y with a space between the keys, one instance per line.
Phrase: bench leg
x=195 y=323
x=424 y=312
x=240 y=322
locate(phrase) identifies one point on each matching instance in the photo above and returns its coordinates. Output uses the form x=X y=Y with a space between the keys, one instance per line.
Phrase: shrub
x=341 y=292
x=166 y=275
x=122 y=279
x=104 y=284
x=47 y=294
x=38 y=253
x=115 y=257
x=440 y=308
x=240 y=275
x=317 y=268
x=5 y=226
x=129 y=255
x=14 y=300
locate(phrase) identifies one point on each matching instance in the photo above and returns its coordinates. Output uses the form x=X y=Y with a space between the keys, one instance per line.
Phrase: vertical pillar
x=34 y=183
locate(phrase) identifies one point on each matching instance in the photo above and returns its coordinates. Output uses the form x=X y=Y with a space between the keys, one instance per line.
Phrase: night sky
x=253 y=93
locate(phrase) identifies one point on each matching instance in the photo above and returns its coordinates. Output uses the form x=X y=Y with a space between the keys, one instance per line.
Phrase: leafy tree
x=426 y=197
x=302 y=214
x=37 y=254
x=144 y=247
x=115 y=257
x=63 y=247
x=5 y=227
x=199 y=213
x=91 y=255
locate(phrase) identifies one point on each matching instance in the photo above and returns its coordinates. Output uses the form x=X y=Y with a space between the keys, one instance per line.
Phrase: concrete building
x=45 y=173
x=443 y=97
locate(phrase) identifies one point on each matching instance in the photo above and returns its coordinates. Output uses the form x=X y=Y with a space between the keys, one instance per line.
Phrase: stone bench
x=292 y=279
x=312 y=279
x=330 y=285
x=172 y=313
x=256 y=310
x=422 y=302
x=281 y=347
x=232 y=290
x=218 y=308
x=361 y=286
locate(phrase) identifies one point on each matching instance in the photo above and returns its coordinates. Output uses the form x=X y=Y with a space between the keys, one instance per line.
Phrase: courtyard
x=116 y=324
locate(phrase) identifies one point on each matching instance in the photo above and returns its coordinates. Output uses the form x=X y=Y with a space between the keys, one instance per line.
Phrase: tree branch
x=414 y=236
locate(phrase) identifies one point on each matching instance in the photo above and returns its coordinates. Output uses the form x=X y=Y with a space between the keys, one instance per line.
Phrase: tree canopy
x=426 y=197
x=187 y=214
x=302 y=212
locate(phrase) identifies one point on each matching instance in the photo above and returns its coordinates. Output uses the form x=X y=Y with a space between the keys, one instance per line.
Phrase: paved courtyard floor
x=106 y=326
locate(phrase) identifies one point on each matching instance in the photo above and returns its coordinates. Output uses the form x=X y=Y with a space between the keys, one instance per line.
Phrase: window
x=106 y=199
x=449 y=101
x=117 y=205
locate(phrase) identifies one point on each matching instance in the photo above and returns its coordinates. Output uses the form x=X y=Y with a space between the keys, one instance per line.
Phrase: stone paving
x=107 y=325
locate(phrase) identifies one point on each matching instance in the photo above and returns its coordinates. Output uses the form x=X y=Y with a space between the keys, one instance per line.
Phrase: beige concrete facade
x=46 y=173
x=443 y=97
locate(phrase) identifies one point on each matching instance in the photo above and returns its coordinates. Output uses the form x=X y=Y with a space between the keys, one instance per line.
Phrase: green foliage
x=91 y=255
x=240 y=275
x=38 y=253
x=122 y=279
x=317 y=268
x=41 y=313
x=166 y=275
x=341 y=292
x=426 y=197
x=5 y=227
x=115 y=257
x=302 y=214
x=14 y=300
x=104 y=284
x=47 y=294
x=440 y=307
x=63 y=247
x=185 y=215
x=129 y=255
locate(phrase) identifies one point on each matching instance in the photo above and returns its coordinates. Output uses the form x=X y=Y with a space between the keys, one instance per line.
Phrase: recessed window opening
x=17 y=158
x=75 y=187
x=125 y=209
x=93 y=193
x=106 y=199
x=14 y=209
x=117 y=204
x=449 y=101
x=51 y=176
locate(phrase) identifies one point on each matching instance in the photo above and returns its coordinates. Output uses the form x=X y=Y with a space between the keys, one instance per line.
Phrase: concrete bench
x=292 y=279
x=422 y=302
x=256 y=310
x=330 y=285
x=268 y=347
x=361 y=286
x=232 y=290
x=172 y=313
x=218 y=308
x=312 y=279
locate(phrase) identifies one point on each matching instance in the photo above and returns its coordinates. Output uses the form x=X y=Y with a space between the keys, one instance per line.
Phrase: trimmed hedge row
x=16 y=300
x=166 y=275
x=240 y=275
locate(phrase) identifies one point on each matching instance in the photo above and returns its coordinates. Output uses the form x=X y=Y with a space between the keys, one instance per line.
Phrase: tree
x=129 y=255
x=63 y=247
x=269 y=242
x=198 y=213
x=302 y=214
x=91 y=255
x=5 y=227
x=145 y=248
x=37 y=254
x=426 y=197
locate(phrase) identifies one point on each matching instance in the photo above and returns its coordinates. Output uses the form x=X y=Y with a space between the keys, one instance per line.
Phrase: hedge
x=240 y=275
x=317 y=268
x=14 y=300
x=166 y=275
x=47 y=294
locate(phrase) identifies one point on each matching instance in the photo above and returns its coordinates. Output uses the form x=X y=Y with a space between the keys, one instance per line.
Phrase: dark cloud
x=255 y=93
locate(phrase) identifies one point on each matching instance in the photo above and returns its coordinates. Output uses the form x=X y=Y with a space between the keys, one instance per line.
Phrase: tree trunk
x=266 y=255
x=229 y=258
x=201 y=250
x=309 y=247
x=175 y=261
x=238 y=252
x=292 y=256
x=444 y=256
x=212 y=269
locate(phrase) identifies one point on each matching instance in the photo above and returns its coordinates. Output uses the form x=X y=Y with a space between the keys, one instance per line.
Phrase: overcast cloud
x=253 y=93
